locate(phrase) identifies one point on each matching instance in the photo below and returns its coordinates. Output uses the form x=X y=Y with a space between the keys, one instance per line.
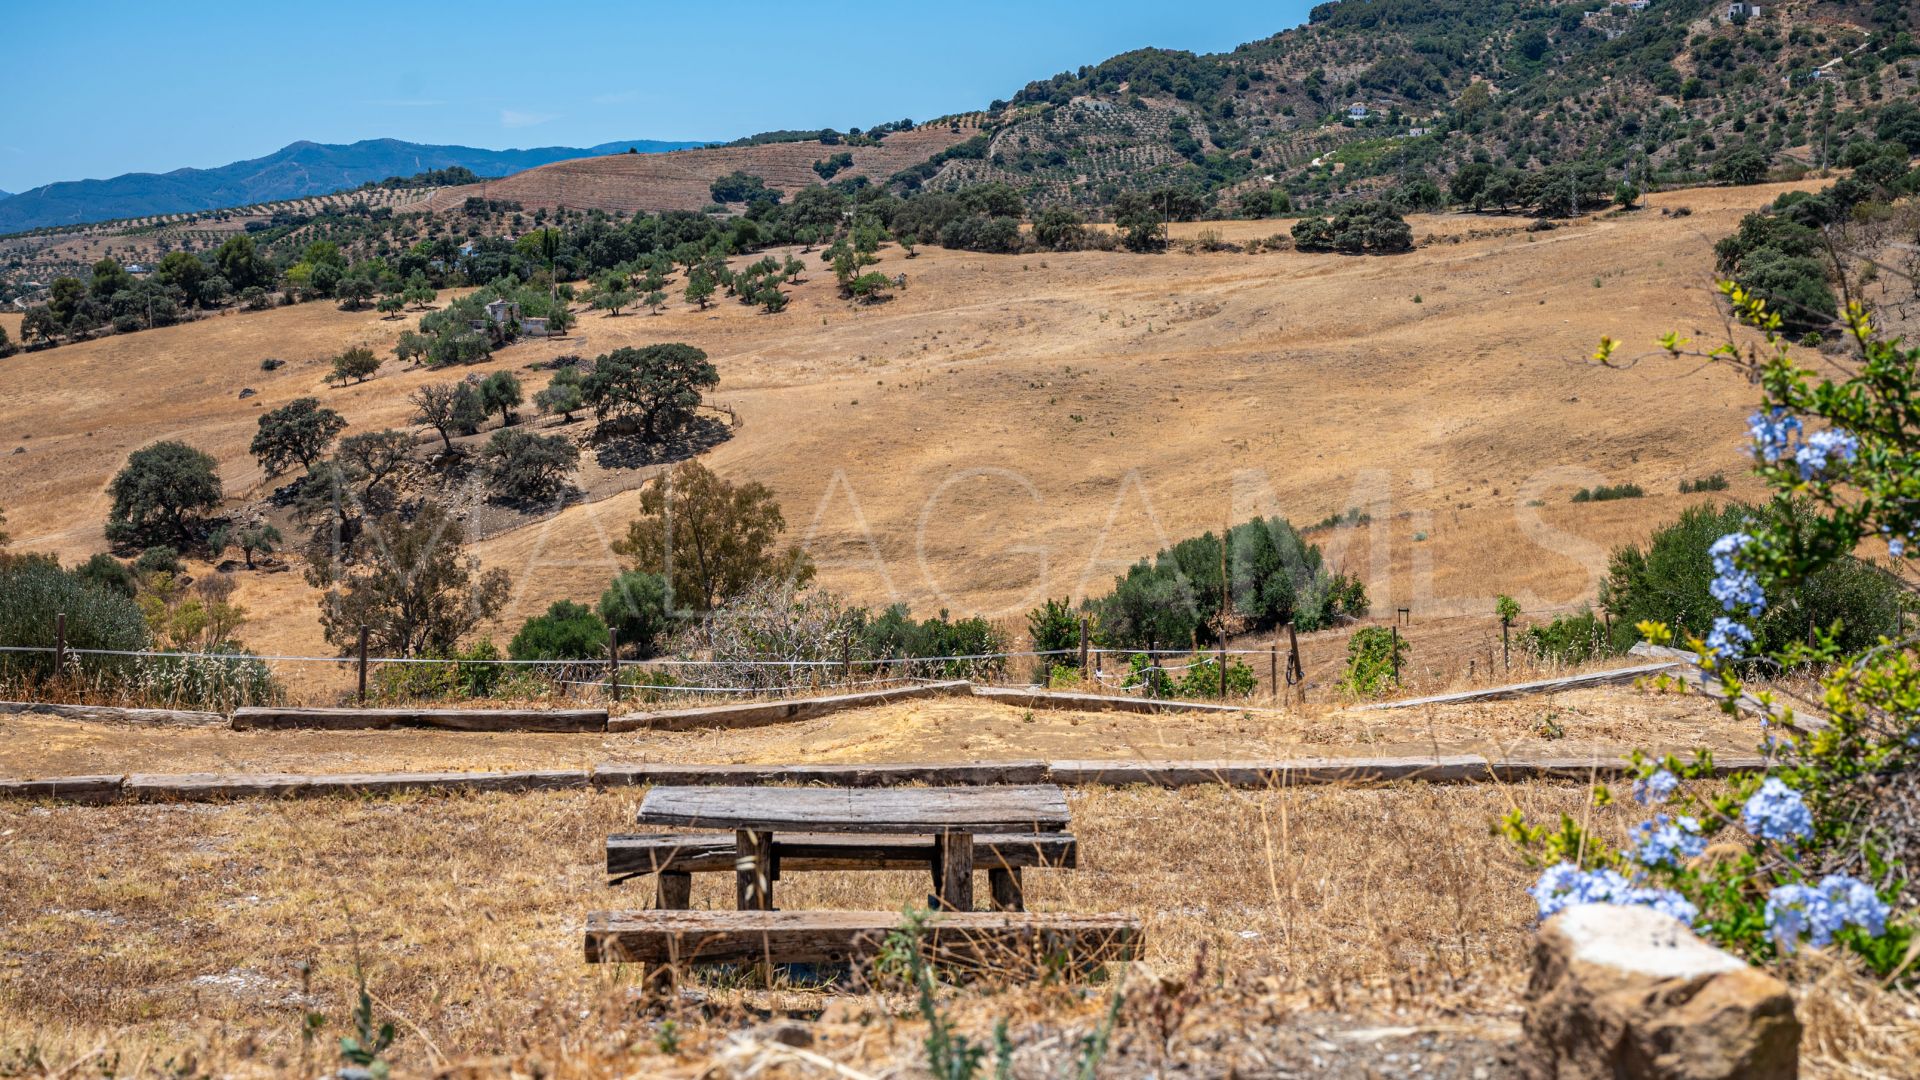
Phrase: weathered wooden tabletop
x=1035 y=808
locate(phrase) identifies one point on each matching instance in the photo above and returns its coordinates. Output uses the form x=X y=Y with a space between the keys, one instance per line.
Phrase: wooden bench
x=977 y=939
x=675 y=857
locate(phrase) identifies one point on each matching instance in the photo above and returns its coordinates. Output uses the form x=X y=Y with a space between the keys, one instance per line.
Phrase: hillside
x=679 y=179
x=1013 y=427
x=295 y=171
x=1417 y=88
x=1369 y=96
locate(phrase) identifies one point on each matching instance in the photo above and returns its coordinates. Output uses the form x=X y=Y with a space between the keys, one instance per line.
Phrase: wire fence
x=224 y=680
x=227 y=680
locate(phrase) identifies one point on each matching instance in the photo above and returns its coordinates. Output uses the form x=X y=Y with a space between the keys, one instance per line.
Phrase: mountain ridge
x=299 y=169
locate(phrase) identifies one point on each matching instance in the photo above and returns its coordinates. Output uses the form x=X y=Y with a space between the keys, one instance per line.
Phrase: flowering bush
x=1822 y=850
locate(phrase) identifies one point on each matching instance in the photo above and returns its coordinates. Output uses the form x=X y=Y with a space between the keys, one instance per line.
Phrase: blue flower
x=1665 y=901
x=1729 y=639
x=1816 y=913
x=1550 y=892
x=1855 y=903
x=1813 y=455
x=1657 y=788
x=1796 y=911
x=1665 y=841
x=1564 y=884
x=1733 y=586
x=1777 y=812
x=1772 y=434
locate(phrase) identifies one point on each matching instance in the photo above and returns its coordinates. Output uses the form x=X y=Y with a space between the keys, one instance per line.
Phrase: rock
x=787 y=1033
x=1631 y=992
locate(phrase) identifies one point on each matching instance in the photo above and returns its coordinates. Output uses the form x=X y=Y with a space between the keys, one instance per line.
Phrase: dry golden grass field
x=1307 y=925
x=1015 y=427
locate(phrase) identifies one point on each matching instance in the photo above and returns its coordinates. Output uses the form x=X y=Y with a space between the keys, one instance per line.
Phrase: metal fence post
x=363 y=665
x=59 y=644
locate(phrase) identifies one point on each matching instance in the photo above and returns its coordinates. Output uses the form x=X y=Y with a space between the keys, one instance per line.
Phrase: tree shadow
x=614 y=449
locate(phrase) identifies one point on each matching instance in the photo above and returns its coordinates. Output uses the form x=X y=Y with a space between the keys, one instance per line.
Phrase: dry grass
x=154 y=933
x=1205 y=386
x=1598 y=722
x=184 y=926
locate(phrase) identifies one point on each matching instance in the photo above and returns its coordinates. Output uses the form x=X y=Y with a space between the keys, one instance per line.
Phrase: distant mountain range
x=297 y=171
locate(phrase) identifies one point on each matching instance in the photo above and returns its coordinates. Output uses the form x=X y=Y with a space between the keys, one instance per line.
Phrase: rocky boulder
x=1631 y=992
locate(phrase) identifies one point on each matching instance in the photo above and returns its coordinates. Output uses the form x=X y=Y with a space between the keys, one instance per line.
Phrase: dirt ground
x=1607 y=722
x=1015 y=427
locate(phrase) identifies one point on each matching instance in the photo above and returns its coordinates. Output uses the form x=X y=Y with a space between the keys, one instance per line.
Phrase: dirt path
x=935 y=730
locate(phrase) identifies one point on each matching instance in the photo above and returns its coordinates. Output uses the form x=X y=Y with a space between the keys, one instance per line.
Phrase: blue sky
x=108 y=88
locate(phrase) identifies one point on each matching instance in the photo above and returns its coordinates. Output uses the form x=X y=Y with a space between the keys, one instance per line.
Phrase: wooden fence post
x=1222 y=654
x=1396 y=654
x=613 y=661
x=363 y=665
x=1296 y=674
x=1083 y=646
x=60 y=645
x=1506 y=646
x=1273 y=668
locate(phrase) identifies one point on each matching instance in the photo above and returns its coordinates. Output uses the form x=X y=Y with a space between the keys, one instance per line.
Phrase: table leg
x=674 y=890
x=753 y=870
x=953 y=871
x=1008 y=892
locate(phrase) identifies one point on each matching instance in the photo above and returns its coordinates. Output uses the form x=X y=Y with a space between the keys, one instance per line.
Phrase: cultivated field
x=679 y=179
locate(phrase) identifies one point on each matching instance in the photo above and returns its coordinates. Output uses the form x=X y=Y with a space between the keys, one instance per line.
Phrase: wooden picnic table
x=952 y=816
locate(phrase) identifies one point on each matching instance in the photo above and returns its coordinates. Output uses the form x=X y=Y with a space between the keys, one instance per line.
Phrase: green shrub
x=33 y=590
x=1373 y=652
x=568 y=631
x=1203 y=678
x=1371 y=228
x=1570 y=639
x=466 y=673
x=1054 y=628
x=1274 y=576
x=635 y=605
x=1667 y=581
x=895 y=634
x=1716 y=482
x=103 y=571
x=1604 y=493
x=1147 y=676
